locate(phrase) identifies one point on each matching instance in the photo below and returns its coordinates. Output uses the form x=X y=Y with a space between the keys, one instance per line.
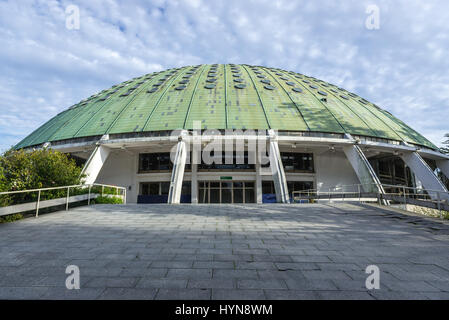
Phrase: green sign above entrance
x=225 y=178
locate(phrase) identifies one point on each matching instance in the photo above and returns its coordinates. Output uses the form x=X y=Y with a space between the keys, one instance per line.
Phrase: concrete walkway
x=225 y=252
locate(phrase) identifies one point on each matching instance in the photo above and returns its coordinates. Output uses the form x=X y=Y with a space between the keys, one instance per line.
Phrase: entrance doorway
x=226 y=192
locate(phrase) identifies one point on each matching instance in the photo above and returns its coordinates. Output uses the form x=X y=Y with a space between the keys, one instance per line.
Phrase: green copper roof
x=224 y=97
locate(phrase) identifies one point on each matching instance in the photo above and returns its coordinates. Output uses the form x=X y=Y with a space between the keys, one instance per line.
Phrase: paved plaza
x=307 y=251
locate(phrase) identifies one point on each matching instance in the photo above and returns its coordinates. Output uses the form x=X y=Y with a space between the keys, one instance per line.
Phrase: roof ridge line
x=320 y=102
x=258 y=95
x=162 y=95
x=203 y=67
x=126 y=106
x=288 y=94
x=106 y=102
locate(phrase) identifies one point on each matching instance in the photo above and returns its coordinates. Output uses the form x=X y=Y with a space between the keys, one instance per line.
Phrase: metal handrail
x=89 y=186
x=64 y=187
x=370 y=184
x=404 y=194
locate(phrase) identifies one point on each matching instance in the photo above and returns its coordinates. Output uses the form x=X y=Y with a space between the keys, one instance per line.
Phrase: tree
x=446 y=149
x=3 y=184
x=45 y=168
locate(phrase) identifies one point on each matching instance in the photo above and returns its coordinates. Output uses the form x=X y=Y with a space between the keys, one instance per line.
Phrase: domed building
x=271 y=133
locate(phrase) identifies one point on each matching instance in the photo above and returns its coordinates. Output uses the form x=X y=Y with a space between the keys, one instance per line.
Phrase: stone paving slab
x=307 y=251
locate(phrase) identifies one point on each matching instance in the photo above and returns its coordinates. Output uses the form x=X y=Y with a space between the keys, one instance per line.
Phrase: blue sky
x=45 y=67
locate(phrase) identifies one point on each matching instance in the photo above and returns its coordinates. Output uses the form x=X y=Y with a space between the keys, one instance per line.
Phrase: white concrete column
x=95 y=163
x=425 y=174
x=366 y=174
x=177 y=176
x=443 y=165
x=277 y=170
x=196 y=159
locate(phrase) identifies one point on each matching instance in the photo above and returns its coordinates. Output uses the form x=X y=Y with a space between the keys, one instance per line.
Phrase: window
x=268 y=187
x=239 y=162
x=154 y=161
x=186 y=188
x=297 y=162
x=298 y=186
x=154 y=188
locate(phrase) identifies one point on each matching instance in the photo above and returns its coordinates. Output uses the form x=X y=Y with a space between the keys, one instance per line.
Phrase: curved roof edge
x=224 y=97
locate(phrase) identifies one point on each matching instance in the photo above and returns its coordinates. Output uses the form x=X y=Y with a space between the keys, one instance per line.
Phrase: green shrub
x=107 y=200
x=44 y=168
x=445 y=215
x=11 y=218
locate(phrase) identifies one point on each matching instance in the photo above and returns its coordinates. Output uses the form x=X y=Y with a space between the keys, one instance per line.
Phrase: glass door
x=226 y=192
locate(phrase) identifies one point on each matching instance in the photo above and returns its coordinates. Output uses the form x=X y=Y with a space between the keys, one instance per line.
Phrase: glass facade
x=268 y=186
x=298 y=186
x=392 y=170
x=157 y=192
x=154 y=162
x=226 y=192
x=150 y=162
x=238 y=161
x=298 y=162
x=154 y=188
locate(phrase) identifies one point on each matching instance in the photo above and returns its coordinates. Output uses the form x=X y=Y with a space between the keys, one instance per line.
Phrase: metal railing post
x=439 y=204
x=360 y=195
x=67 y=203
x=38 y=202
x=102 y=190
x=88 y=197
x=405 y=199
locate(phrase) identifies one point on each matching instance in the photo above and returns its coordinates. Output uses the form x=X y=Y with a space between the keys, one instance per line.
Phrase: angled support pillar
x=366 y=174
x=443 y=165
x=196 y=159
x=277 y=170
x=177 y=175
x=259 y=199
x=425 y=174
x=94 y=164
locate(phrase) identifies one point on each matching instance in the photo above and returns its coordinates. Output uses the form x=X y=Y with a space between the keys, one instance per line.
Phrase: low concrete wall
x=429 y=212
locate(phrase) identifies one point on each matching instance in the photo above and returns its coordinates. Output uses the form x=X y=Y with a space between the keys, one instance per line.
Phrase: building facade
x=270 y=134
